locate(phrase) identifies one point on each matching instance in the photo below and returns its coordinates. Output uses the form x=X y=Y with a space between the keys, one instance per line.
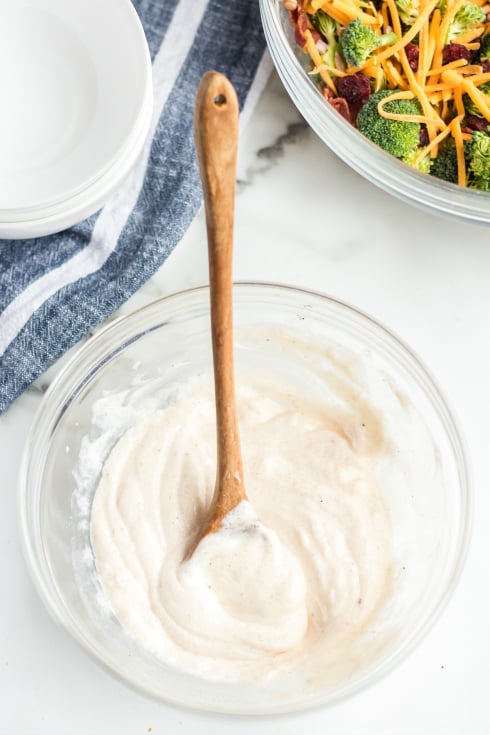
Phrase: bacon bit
x=454 y=51
x=412 y=52
x=293 y=16
x=293 y=13
x=340 y=104
x=301 y=26
x=299 y=38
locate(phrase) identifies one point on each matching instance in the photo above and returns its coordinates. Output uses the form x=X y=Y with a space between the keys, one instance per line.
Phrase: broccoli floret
x=395 y=136
x=445 y=164
x=468 y=16
x=470 y=106
x=423 y=165
x=326 y=25
x=358 y=42
x=477 y=152
x=485 y=47
x=408 y=10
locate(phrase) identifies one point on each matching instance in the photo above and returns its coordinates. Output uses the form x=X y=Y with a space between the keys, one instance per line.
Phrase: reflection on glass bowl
x=168 y=342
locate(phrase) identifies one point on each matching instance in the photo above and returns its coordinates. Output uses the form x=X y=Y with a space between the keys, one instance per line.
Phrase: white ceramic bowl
x=74 y=209
x=349 y=144
x=78 y=95
x=168 y=342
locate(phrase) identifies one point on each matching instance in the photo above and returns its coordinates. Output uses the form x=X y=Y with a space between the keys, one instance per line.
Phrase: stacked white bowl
x=77 y=98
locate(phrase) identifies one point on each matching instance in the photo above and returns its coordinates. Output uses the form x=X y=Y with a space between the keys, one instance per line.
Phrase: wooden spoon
x=216 y=137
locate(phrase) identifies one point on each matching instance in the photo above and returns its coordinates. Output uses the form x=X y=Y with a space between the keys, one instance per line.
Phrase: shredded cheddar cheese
x=412 y=32
x=417 y=66
x=466 y=38
x=458 y=139
x=317 y=60
x=330 y=69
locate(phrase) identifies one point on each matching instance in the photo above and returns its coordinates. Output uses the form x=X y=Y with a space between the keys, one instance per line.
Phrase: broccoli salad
x=412 y=75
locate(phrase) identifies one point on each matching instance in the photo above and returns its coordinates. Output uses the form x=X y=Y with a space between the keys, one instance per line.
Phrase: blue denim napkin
x=53 y=290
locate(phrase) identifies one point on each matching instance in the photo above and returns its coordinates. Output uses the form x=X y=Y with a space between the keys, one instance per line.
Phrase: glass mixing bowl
x=345 y=140
x=168 y=342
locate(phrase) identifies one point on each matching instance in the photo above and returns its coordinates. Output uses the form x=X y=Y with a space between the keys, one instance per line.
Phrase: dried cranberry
x=423 y=137
x=485 y=65
x=355 y=88
x=473 y=122
x=455 y=51
x=412 y=52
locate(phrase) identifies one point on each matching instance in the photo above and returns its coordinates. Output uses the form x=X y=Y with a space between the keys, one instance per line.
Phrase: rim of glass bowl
x=358 y=152
x=114 y=337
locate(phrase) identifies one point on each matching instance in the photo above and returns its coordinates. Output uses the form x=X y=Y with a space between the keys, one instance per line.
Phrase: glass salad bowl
x=379 y=167
x=118 y=373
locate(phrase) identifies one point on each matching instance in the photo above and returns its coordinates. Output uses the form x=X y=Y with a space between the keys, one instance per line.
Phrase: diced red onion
x=321 y=46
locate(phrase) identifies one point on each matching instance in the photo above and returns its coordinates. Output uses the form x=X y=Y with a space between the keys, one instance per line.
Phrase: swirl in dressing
x=290 y=575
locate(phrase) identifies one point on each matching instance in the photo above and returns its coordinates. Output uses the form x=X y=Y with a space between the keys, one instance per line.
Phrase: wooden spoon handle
x=216 y=136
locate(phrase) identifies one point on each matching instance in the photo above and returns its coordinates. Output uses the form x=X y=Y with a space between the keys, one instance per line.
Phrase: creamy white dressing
x=292 y=575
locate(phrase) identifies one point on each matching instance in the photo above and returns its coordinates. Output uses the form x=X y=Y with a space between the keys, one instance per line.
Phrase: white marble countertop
x=304 y=218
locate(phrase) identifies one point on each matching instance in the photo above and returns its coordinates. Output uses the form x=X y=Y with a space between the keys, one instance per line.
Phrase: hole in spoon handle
x=220 y=100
